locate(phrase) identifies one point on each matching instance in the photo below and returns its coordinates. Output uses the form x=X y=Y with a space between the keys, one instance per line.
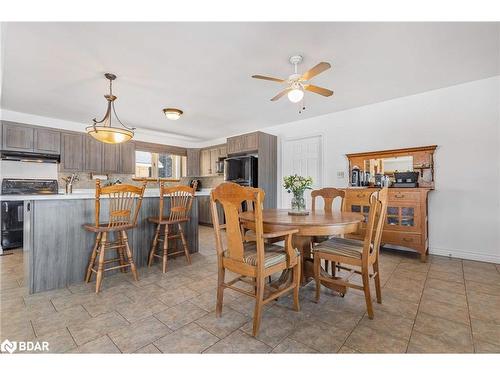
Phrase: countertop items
x=81 y=194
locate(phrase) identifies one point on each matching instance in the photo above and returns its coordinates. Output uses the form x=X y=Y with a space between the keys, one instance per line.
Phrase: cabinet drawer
x=403 y=239
x=404 y=196
x=358 y=196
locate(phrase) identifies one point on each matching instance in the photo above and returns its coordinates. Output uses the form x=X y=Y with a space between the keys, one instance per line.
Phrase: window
x=154 y=165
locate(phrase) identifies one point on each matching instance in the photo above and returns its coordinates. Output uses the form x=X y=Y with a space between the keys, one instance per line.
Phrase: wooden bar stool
x=124 y=204
x=181 y=199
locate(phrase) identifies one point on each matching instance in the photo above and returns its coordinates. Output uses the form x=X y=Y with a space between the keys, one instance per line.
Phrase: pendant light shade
x=103 y=130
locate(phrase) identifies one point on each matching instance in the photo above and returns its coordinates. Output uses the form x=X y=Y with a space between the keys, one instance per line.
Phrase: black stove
x=12 y=221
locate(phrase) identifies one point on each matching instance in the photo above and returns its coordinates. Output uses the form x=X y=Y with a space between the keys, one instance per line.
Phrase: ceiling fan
x=296 y=83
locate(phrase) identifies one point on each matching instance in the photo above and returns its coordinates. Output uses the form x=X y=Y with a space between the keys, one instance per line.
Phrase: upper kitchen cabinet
x=193 y=162
x=209 y=158
x=244 y=143
x=17 y=137
x=47 y=141
x=72 y=152
x=110 y=158
x=26 y=138
x=126 y=164
x=92 y=155
x=107 y=158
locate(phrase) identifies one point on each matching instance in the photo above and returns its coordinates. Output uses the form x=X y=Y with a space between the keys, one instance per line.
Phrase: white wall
x=464 y=121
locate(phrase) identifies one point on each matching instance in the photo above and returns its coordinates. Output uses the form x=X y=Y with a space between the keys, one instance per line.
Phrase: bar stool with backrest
x=356 y=256
x=251 y=257
x=124 y=205
x=181 y=199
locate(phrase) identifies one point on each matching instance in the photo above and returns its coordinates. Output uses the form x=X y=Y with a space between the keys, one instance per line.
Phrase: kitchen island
x=57 y=247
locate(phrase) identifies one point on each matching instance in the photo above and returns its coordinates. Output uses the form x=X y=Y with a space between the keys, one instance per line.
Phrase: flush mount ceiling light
x=103 y=130
x=172 y=113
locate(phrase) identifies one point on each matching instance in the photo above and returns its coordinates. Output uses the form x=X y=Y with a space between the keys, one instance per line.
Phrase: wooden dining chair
x=251 y=257
x=356 y=256
x=124 y=205
x=181 y=199
x=329 y=195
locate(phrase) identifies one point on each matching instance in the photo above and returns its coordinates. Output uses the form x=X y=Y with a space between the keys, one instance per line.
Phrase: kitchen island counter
x=57 y=247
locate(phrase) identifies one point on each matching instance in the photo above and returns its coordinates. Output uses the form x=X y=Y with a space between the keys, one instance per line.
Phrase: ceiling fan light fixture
x=172 y=113
x=295 y=95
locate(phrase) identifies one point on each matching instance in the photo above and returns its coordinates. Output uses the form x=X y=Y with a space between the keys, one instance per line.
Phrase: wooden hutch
x=406 y=224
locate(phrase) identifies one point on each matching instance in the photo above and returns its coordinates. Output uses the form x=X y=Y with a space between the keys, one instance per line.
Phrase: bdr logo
x=24 y=346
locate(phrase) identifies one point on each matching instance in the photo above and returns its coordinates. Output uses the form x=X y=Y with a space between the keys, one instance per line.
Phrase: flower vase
x=298 y=204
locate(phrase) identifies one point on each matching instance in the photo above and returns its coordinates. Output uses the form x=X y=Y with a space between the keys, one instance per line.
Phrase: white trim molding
x=465 y=254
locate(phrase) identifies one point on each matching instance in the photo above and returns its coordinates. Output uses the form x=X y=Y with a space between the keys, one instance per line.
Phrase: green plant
x=297 y=184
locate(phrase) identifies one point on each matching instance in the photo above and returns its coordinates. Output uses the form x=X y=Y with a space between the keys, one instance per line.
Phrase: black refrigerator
x=242 y=170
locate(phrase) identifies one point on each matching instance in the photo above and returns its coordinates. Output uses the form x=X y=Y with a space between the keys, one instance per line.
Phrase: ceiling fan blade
x=258 y=76
x=285 y=91
x=318 y=90
x=321 y=67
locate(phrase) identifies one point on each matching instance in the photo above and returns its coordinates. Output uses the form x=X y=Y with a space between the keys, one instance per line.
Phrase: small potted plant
x=297 y=185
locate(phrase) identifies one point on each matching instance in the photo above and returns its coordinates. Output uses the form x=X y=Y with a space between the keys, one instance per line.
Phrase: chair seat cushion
x=342 y=247
x=273 y=254
x=318 y=239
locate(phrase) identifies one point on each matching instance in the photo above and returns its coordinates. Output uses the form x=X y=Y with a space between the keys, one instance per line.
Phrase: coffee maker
x=355 y=177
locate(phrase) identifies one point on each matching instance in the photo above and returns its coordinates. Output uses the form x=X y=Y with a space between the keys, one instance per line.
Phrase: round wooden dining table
x=317 y=223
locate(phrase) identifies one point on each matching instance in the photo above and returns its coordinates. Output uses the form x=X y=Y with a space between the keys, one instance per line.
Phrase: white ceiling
x=55 y=69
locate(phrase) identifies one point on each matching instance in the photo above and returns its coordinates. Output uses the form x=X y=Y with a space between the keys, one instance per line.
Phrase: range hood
x=29 y=157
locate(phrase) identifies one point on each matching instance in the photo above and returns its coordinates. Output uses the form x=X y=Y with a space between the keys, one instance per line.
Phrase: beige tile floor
x=445 y=305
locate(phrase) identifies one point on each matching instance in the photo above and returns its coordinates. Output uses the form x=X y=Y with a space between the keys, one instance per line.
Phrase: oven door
x=12 y=224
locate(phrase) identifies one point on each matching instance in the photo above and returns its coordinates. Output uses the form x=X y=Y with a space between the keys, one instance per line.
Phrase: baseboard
x=464 y=254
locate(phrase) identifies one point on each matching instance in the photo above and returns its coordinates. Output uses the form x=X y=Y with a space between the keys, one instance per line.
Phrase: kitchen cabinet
x=110 y=158
x=205 y=213
x=107 y=158
x=244 y=143
x=127 y=158
x=72 y=152
x=17 y=137
x=26 y=138
x=193 y=162
x=205 y=162
x=47 y=141
x=406 y=219
x=92 y=155
x=209 y=158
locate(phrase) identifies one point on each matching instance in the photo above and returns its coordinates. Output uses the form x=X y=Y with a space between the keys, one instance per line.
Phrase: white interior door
x=302 y=156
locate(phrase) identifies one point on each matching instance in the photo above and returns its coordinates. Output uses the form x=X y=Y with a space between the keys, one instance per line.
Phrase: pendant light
x=103 y=130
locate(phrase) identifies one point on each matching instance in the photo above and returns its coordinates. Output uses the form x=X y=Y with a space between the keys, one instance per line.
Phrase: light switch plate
x=340 y=174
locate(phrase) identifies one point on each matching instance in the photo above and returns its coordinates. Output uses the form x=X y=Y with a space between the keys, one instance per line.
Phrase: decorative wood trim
x=155 y=147
x=395 y=151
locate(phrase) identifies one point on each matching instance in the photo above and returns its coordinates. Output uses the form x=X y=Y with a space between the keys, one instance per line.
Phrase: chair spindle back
x=124 y=203
x=181 y=199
